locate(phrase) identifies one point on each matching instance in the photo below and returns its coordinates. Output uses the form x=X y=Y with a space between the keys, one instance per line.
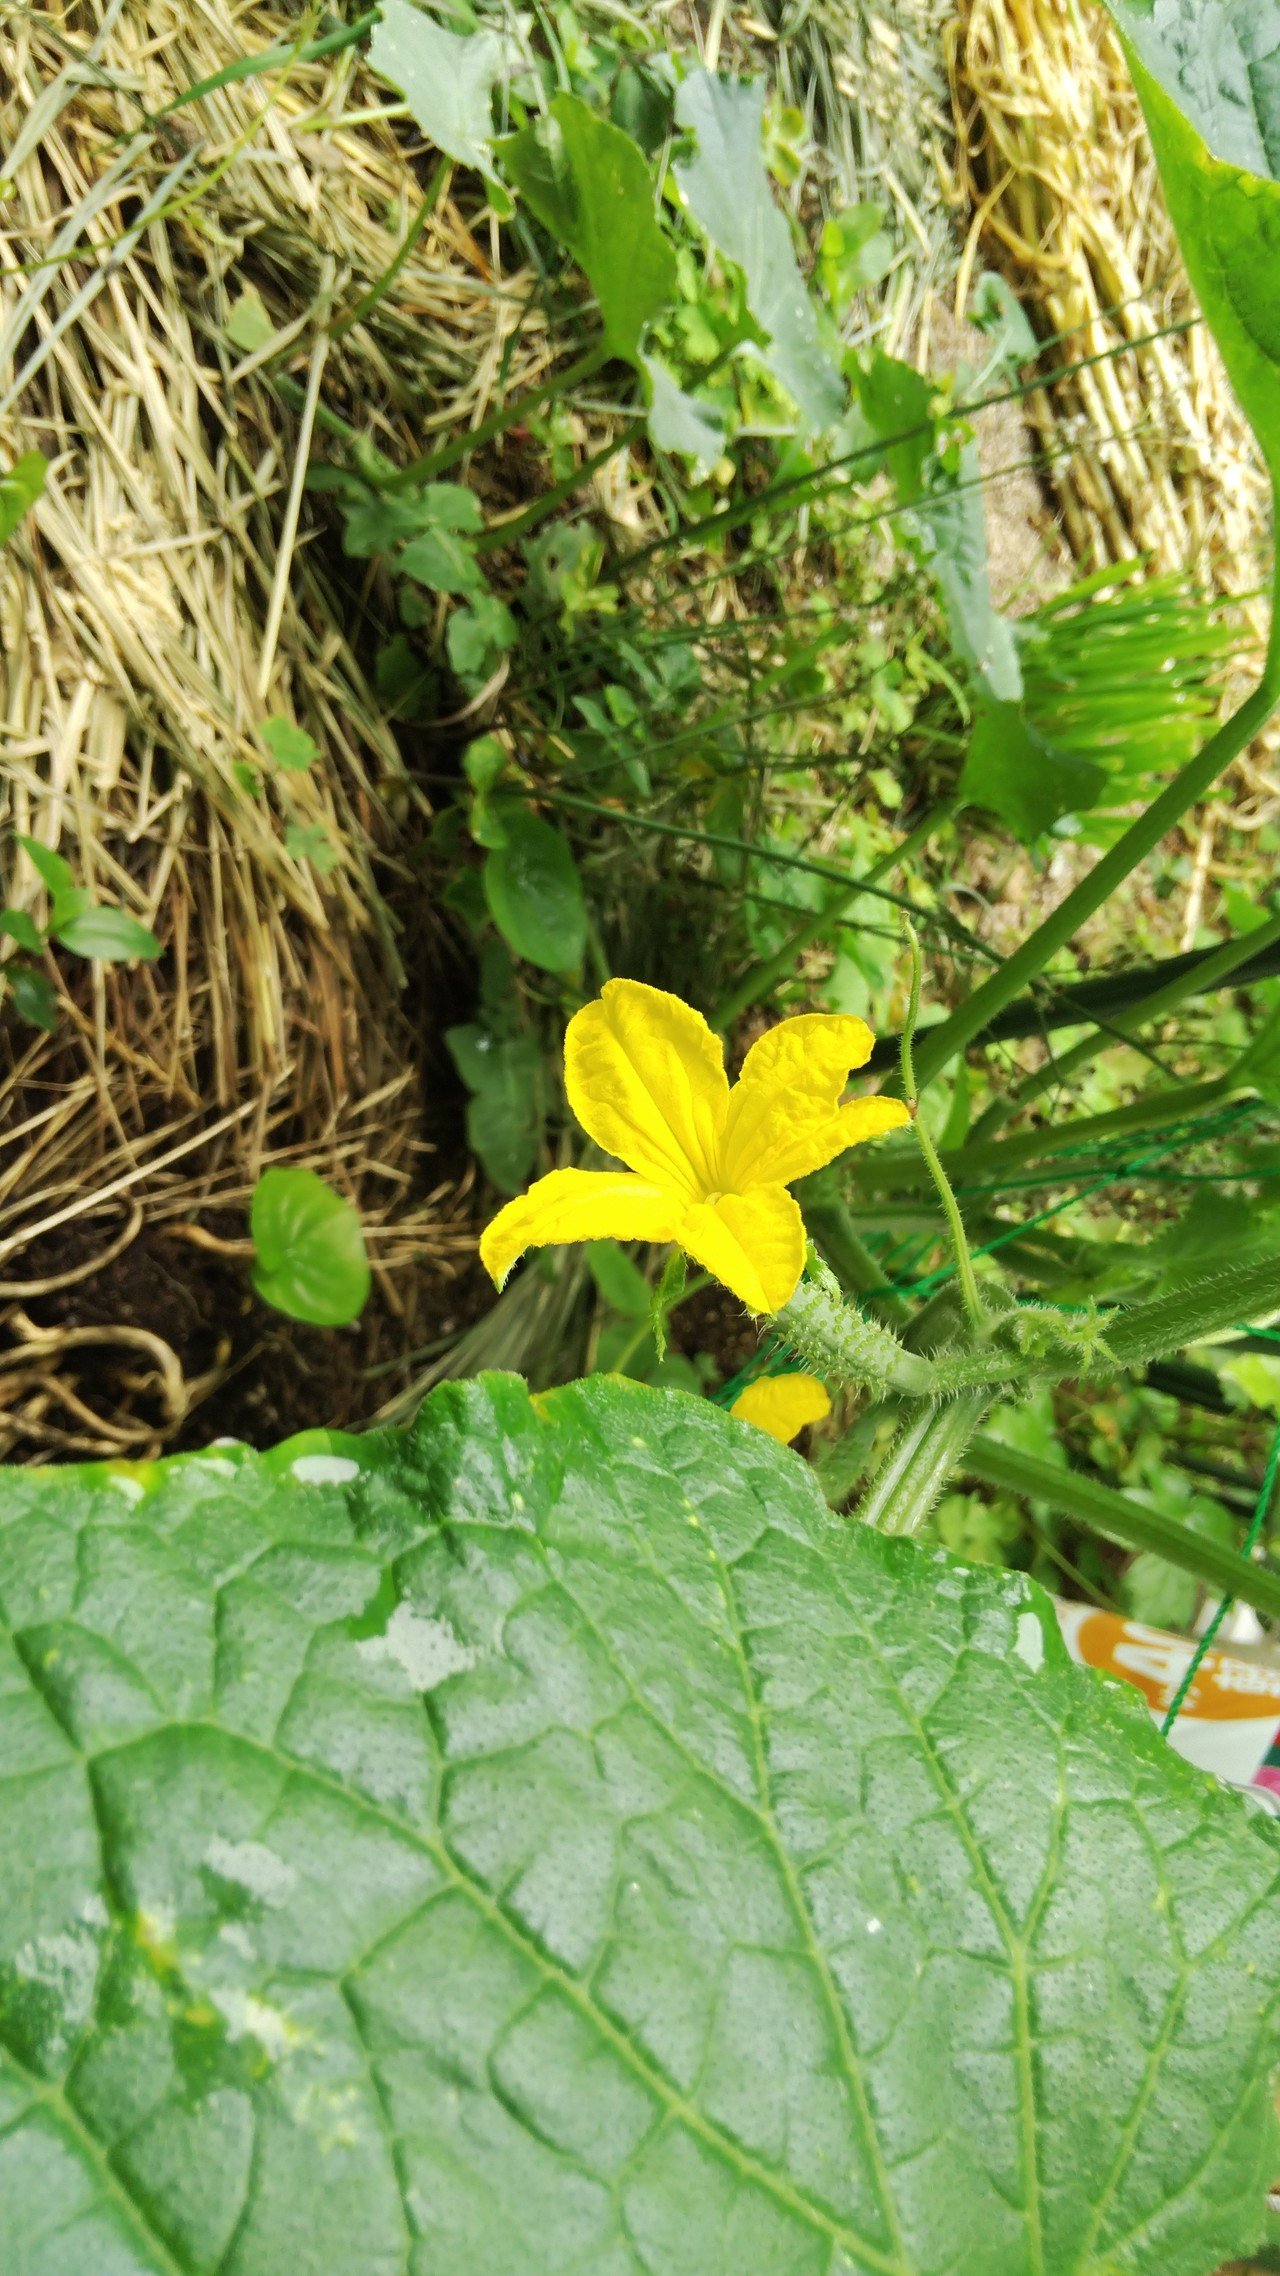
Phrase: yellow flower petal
x=645 y=1077
x=576 y=1205
x=784 y=1115
x=753 y=1242
x=782 y=1404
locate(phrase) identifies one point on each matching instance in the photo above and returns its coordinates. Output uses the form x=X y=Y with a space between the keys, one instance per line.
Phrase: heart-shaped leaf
x=311 y=1260
x=534 y=893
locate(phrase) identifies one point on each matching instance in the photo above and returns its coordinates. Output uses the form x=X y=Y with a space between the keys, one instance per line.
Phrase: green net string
x=1256 y=1523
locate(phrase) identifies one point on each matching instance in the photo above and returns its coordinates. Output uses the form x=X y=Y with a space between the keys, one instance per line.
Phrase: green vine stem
x=1035 y=1343
x=1147 y=1331
x=965 y=1025
x=1210 y=972
x=927 y=1450
x=965 y=1274
x=1130 y=1523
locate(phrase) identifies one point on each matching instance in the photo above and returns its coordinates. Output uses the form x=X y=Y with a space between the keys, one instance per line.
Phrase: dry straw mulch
x=170 y=592
x=165 y=597
x=1145 y=452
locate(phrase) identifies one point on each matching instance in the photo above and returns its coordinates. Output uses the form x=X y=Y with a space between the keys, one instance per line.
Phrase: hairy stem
x=1232 y=1299
x=927 y=1450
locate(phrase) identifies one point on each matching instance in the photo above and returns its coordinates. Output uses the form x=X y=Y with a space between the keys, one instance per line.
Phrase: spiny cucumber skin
x=835 y=1339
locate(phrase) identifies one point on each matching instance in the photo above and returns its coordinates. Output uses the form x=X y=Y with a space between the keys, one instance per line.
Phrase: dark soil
x=269 y=1376
x=714 y=1321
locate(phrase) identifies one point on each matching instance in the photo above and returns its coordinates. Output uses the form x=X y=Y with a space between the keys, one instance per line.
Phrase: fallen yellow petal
x=576 y=1205
x=782 y=1404
x=645 y=1077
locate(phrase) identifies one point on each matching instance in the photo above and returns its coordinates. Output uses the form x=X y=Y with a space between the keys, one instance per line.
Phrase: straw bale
x=1057 y=172
x=1145 y=452
x=168 y=594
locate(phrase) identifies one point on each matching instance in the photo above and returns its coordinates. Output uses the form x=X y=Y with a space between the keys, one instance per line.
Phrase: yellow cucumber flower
x=707 y=1166
x=782 y=1404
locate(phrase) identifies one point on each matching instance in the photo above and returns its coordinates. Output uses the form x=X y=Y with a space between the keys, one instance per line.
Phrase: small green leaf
x=67 y=905
x=728 y=191
x=1255 y=1374
x=18 y=926
x=619 y=1280
x=249 y=327
x=310 y=842
x=290 y=746
x=35 y=998
x=376 y=525
x=402 y=678
x=446 y=79
x=588 y=184
x=478 y=637
x=504 y=1112
x=50 y=868
x=311 y=1259
x=996 y=310
x=106 y=936
x=443 y=561
x=483 y=763
x=681 y=422
x=978 y=1530
x=1151 y=1588
x=1208 y=75
x=854 y=251
x=19 y=489
x=534 y=893
x=1013 y=772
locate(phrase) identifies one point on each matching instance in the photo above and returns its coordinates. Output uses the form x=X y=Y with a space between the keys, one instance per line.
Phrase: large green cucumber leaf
x=1208 y=74
x=545 y=1843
